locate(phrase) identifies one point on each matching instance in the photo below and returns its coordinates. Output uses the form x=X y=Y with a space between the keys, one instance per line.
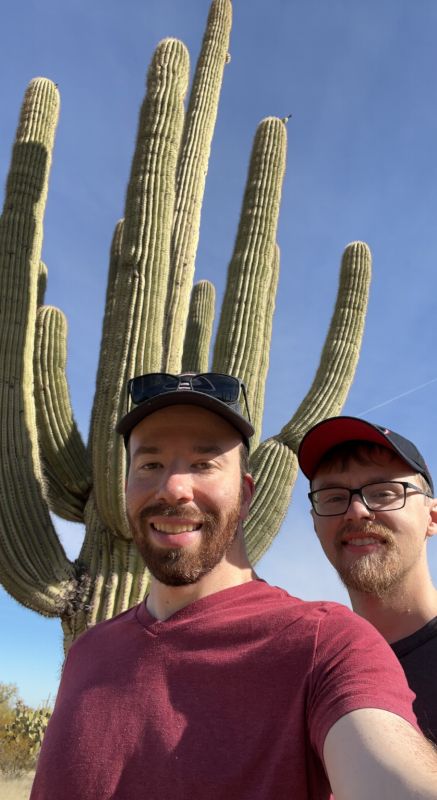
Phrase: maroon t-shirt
x=230 y=698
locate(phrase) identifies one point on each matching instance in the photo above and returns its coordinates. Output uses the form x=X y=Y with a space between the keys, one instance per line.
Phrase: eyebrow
x=145 y=449
x=208 y=448
x=202 y=449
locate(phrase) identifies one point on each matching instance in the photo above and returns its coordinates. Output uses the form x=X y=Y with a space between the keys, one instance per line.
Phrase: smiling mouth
x=361 y=541
x=173 y=528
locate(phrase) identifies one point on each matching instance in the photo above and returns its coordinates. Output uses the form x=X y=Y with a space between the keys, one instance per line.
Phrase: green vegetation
x=21 y=731
x=153 y=321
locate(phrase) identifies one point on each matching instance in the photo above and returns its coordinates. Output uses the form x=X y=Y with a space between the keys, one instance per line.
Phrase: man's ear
x=432 y=525
x=247 y=493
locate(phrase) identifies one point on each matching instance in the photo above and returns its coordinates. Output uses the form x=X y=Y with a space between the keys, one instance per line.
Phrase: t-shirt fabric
x=230 y=698
x=418 y=656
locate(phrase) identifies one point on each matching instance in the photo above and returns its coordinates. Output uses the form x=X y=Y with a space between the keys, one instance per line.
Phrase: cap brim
x=185 y=397
x=334 y=431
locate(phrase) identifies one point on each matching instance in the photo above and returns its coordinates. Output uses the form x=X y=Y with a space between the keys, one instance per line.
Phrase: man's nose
x=176 y=486
x=357 y=508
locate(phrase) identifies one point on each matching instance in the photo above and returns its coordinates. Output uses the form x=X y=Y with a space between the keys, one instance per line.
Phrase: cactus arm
x=139 y=308
x=191 y=175
x=259 y=388
x=33 y=565
x=274 y=463
x=199 y=328
x=341 y=349
x=151 y=198
x=111 y=344
x=107 y=396
x=42 y=283
x=274 y=468
x=64 y=455
x=240 y=338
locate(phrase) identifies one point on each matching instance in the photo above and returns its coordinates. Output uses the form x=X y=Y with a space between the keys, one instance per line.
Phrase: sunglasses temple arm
x=246 y=401
x=128 y=393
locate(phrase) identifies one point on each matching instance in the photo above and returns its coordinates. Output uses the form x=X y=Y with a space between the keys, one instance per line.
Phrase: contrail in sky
x=398 y=397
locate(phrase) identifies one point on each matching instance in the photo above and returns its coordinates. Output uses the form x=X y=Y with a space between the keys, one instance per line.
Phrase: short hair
x=364 y=452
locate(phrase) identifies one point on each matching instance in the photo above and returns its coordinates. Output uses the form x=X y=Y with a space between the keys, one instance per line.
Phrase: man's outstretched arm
x=371 y=754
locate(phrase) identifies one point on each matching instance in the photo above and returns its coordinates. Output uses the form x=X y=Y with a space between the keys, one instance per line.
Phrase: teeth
x=368 y=540
x=166 y=527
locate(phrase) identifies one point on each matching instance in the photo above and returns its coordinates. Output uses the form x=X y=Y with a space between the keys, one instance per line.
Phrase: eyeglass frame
x=359 y=491
x=188 y=377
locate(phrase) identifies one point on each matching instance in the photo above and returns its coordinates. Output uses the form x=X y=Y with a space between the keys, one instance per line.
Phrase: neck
x=402 y=611
x=234 y=569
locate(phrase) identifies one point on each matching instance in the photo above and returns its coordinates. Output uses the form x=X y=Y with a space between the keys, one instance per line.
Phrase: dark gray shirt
x=418 y=656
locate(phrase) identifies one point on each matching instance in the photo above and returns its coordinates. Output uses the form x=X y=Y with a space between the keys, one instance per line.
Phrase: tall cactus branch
x=240 y=344
x=199 y=328
x=276 y=458
x=266 y=336
x=33 y=565
x=191 y=174
x=341 y=349
x=139 y=305
x=66 y=468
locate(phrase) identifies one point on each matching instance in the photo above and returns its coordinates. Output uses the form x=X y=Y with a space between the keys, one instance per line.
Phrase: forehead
x=365 y=459
x=184 y=424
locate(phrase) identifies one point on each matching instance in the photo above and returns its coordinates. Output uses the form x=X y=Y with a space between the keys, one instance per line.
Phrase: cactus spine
x=45 y=465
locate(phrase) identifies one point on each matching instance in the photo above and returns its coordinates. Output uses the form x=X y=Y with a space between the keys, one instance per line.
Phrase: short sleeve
x=353 y=668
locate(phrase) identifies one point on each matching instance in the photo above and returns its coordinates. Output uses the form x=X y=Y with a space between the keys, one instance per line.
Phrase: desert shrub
x=21 y=731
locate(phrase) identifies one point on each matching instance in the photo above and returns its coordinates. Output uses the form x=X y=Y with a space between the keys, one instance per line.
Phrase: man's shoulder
x=332 y=626
x=424 y=639
x=106 y=629
x=309 y=608
x=316 y=616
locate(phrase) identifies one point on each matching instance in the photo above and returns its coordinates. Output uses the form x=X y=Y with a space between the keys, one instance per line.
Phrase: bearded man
x=374 y=512
x=218 y=685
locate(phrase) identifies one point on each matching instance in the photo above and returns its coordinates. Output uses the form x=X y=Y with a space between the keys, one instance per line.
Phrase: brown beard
x=179 y=566
x=371 y=573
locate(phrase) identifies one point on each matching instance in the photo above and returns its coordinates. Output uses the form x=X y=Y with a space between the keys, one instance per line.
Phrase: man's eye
x=202 y=466
x=334 y=498
x=383 y=494
x=148 y=465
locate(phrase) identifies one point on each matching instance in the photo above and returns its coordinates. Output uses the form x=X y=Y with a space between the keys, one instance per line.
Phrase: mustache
x=365 y=528
x=163 y=510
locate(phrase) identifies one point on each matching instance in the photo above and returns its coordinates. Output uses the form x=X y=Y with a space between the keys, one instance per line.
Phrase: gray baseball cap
x=211 y=390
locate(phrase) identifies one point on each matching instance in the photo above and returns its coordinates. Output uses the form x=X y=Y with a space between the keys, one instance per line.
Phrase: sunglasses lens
x=144 y=387
x=223 y=387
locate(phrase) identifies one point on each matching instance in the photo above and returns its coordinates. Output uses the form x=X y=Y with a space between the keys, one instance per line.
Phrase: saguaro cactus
x=149 y=324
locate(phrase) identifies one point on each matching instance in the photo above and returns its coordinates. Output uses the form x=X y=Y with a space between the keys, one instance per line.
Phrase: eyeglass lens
x=376 y=496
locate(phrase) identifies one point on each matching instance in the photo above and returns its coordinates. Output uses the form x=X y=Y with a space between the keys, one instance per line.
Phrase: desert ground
x=16 y=788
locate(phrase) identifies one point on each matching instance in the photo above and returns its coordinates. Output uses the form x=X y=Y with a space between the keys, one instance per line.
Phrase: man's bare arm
x=371 y=754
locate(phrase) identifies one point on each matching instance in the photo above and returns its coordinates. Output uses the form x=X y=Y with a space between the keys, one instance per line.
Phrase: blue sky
x=360 y=80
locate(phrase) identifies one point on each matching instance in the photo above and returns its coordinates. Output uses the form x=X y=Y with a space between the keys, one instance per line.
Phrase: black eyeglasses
x=226 y=388
x=383 y=496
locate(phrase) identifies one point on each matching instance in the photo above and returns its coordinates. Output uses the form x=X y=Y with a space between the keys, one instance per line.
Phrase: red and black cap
x=334 y=431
